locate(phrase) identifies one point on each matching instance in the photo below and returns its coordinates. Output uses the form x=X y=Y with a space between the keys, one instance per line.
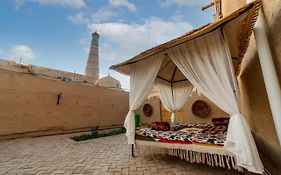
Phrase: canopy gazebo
x=207 y=58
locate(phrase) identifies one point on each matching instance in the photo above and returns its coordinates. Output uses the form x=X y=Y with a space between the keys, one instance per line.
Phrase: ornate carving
x=147 y=110
x=200 y=108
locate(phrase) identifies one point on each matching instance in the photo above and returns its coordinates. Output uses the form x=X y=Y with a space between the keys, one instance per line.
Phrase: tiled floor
x=109 y=155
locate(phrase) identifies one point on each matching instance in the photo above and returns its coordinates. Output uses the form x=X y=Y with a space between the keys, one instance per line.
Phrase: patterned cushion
x=177 y=126
x=220 y=121
x=206 y=133
x=160 y=126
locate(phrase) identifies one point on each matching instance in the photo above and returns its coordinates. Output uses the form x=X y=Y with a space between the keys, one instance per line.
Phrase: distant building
x=92 y=67
x=109 y=82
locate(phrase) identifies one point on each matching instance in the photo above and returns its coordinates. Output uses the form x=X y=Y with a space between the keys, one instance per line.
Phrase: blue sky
x=56 y=33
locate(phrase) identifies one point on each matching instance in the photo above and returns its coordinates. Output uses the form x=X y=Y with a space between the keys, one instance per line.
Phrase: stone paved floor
x=109 y=155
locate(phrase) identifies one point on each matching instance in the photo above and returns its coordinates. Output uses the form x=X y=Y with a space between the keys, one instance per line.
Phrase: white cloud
x=125 y=40
x=78 y=18
x=123 y=3
x=189 y=3
x=1 y=51
x=121 y=41
x=101 y=15
x=22 y=51
x=62 y=3
x=19 y=3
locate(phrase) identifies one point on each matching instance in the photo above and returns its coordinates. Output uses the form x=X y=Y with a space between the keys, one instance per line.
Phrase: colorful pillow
x=220 y=121
x=160 y=126
x=177 y=126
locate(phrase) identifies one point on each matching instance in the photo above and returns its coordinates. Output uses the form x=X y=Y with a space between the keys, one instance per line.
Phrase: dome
x=109 y=82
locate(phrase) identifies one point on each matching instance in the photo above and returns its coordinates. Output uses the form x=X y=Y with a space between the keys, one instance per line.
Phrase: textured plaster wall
x=155 y=103
x=186 y=109
x=229 y=6
x=254 y=100
x=215 y=112
x=28 y=103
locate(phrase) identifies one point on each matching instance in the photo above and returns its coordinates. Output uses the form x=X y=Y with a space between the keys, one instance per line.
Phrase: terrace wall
x=28 y=105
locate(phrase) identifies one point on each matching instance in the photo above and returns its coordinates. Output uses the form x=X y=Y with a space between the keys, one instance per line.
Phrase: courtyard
x=109 y=155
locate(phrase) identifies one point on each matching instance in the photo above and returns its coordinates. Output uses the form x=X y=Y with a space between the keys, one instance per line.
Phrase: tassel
x=217 y=160
x=211 y=160
x=191 y=156
x=233 y=164
x=203 y=158
x=227 y=162
x=222 y=162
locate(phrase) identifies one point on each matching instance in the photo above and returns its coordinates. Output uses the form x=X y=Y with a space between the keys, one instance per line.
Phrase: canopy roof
x=169 y=72
x=236 y=29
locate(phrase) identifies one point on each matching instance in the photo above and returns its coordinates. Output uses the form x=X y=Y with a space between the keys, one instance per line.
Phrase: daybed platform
x=182 y=143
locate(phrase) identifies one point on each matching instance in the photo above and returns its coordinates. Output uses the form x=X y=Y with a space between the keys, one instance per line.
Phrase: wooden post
x=133 y=154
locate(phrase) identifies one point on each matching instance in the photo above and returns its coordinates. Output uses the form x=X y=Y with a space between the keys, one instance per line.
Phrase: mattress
x=187 y=133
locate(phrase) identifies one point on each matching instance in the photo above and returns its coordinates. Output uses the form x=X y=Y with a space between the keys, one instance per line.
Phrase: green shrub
x=95 y=130
x=95 y=134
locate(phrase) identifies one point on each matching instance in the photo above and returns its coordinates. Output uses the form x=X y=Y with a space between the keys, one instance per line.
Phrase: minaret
x=92 y=67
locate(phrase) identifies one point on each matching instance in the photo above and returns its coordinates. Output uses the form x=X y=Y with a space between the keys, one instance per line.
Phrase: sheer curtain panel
x=174 y=95
x=142 y=79
x=205 y=63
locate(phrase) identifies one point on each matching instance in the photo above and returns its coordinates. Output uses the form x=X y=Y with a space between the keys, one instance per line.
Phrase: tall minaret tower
x=92 y=67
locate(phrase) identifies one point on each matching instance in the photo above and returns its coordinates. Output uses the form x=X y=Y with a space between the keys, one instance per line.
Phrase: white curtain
x=142 y=79
x=174 y=96
x=205 y=63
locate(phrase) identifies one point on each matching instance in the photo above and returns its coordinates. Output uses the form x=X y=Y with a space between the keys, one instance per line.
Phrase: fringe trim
x=215 y=160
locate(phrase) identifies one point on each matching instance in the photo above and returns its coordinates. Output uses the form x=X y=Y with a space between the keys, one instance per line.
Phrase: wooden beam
x=163 y=79
x=174 y=73
x=208 y=6
x=180 y=80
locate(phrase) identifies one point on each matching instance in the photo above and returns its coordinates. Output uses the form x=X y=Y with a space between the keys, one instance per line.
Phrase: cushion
x=220 y=121
x=160 y=126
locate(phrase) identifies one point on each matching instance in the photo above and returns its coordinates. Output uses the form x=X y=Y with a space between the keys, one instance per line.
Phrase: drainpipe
x=268 y=71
